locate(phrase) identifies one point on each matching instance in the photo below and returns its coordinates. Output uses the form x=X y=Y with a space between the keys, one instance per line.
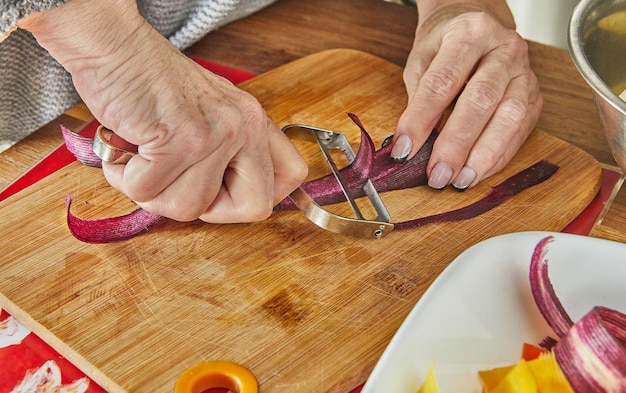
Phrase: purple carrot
x=591 y=352
x=385 y=173
x=515 y=184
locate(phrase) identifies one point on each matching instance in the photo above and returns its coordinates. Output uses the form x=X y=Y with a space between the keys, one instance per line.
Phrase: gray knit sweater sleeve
x=14 y=10
x=35 y=89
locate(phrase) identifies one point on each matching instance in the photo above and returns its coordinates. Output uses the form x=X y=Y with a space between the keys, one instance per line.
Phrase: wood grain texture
x=612 y=226
x=569 y=111
x=305 y=310
x=290 y=29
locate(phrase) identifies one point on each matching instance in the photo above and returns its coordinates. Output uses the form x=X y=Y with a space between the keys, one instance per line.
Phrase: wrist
x=84 y=29
x=104 y=45
x=496 y=8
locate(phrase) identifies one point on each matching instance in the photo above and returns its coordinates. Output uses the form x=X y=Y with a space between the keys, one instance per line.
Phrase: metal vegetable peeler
x=113 y=149
x=359 y=226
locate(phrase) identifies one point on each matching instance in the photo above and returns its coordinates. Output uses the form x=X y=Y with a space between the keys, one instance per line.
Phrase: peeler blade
x=359 y=226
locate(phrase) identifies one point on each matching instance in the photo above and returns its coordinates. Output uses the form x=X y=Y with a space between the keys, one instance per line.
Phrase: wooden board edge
x=608 y=233
x=597 y=178
x=310 y=58
x=58 y=345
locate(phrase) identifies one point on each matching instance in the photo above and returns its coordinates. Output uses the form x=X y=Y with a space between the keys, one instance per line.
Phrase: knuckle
x=519 y=136
x=251 y=119
x=183 y=210
x=444 y=81
x=199 y=145
x=513 y=109
x=483 y=96
x=516 y=43
x=173 y=210
x=490 y=156
x=411 y=76
x=516 y=50
x=472 y=26
x=250 y=107
x=458 y=144
x=185 y=215
x=139 y=191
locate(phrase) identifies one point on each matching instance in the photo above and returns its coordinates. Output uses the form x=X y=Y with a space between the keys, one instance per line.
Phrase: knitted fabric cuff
x=12 y=11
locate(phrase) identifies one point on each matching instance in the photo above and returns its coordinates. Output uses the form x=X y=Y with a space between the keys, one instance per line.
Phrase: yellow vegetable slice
x=430 y=385
x=541 y=375
x=518 y=380
x=548 y=374
x=491 y=378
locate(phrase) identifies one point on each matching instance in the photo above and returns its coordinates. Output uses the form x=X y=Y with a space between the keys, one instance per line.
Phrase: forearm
x=498 y=8
x=80 y=30
x=105 y=45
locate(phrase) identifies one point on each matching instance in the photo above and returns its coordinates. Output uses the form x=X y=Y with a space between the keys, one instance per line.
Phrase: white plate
x=479 y=311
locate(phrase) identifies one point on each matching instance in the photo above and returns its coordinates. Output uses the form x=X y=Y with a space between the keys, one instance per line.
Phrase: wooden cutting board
x=304 y=309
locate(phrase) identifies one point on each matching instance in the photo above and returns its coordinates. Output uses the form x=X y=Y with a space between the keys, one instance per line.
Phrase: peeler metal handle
x=359 y=226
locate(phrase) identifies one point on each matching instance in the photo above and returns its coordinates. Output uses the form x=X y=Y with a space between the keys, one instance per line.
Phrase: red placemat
x=26 y=361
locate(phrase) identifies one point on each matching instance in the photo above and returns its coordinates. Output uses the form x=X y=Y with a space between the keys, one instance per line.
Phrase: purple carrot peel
x=81 y=148
x=109 y=230
x=385 y=173
x=543 y=292
x=531 y=176
x=590 y=352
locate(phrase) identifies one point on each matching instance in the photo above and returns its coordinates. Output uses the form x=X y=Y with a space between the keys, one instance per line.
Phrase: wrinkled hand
x=465 y=54
x=206 y=148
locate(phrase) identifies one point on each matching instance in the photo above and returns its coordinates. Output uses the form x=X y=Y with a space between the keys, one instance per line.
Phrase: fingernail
x=440 y=176
x=401 y=148
x=387 y=141
x=464 y=178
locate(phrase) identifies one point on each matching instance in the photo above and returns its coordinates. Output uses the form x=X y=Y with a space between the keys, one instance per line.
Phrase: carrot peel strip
x=109 y=230
x=385 y=173
x=592 y=351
